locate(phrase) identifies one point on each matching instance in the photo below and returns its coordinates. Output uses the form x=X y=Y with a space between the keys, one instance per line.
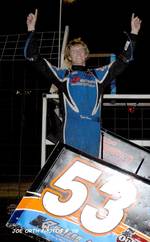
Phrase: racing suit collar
x=79 y=68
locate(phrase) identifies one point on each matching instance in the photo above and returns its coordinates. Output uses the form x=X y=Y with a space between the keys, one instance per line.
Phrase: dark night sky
x=99 y=23
x=91 y=19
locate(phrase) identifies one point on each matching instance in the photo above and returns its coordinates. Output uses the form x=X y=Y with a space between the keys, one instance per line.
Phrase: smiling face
x=76 y=52
x=78 y=55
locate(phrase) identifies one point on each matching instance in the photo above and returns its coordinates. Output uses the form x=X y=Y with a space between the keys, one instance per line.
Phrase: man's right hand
x=31 y=20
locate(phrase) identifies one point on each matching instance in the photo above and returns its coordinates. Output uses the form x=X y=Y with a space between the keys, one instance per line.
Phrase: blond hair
x=76 y=41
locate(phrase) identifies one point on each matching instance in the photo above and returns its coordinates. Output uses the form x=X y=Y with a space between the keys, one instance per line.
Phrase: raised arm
x=127 y=54
x=32 y=54
x=31 y=51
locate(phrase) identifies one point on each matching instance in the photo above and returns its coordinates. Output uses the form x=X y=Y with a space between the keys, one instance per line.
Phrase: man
x=81 y=87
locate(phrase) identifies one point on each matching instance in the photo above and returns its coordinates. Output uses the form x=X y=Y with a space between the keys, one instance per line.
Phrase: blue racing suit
x=82 y=90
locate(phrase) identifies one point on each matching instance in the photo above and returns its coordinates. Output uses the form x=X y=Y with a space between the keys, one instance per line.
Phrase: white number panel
x=120 y=194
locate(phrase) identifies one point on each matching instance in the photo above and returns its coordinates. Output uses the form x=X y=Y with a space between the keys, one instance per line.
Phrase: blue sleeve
x=109 y=72
x=31 y=54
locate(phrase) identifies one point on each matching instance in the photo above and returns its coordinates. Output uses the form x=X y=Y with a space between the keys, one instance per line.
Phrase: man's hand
x=31 y=20
x=135 y=24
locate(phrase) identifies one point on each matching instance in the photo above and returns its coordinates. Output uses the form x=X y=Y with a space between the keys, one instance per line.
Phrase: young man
x=81 y=87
